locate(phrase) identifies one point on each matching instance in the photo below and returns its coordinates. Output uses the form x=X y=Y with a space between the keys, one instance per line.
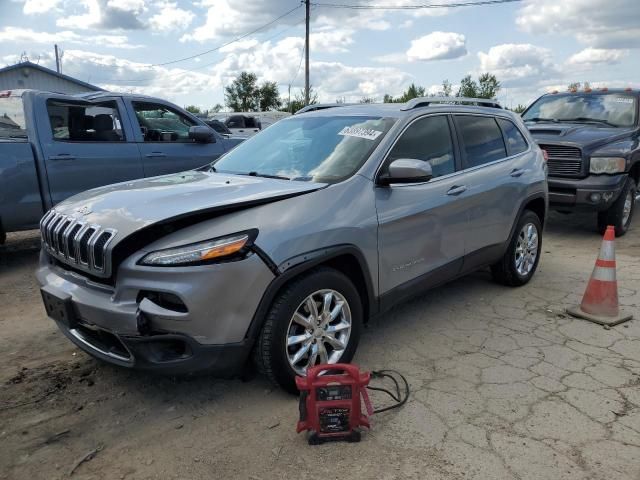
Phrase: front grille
x=564 y=161
x=76 y=243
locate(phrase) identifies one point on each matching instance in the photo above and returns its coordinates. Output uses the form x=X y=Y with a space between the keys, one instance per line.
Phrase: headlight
x=607 y=165
x=198 y=253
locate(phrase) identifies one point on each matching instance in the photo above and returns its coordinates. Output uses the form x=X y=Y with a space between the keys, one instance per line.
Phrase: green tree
x=298 y=101
x=576 y=86
x=216 y=108
x=488 y=86
x=413 y=91
x=241 y=95
x=468 y=88
x=447 y=88
x=193 y=109
x=367 y=100
x=519 y=108
x=269 y=96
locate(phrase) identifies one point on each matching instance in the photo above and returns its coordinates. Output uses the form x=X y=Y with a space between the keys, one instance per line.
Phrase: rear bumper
x=596 y=192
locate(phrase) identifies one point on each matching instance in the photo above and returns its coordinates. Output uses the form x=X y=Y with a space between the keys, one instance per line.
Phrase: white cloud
x=437 y=46
x=39 y=6
x=597 y=56
x=170 y=17
x=517 y=63
x=611 y=24
x=105 y=14
x=26 y=35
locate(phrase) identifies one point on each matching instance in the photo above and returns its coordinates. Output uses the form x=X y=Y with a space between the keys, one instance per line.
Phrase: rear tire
x=520 y=261
x=275 y=350
x=620 y=213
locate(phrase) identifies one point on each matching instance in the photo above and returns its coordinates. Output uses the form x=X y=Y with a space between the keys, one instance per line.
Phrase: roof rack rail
x=426 y=101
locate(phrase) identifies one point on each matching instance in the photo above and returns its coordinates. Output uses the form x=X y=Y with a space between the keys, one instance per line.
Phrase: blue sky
x=532 y=46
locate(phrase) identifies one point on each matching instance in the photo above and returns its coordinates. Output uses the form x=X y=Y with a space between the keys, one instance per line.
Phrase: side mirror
x=406 y=170
x=202 y=134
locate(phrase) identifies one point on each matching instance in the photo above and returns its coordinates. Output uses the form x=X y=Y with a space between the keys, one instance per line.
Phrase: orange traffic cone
x=600 y=301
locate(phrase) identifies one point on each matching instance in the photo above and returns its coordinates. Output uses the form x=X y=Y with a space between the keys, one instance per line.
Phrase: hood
x=131 y=206
x=586 y=135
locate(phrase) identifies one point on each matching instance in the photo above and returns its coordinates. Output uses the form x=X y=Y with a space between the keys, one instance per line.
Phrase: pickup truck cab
x=591 y=139
x=53 y=146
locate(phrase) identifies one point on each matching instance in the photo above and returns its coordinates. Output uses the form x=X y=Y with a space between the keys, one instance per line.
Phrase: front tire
x=621 y=212
x=315 y=319
x=520 y=262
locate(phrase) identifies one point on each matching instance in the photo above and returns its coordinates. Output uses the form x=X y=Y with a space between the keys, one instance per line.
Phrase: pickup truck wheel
x=520 y=262
x=621 y=212
x=315 y=319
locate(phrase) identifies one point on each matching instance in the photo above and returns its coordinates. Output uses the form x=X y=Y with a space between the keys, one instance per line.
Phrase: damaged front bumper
x=171 y=320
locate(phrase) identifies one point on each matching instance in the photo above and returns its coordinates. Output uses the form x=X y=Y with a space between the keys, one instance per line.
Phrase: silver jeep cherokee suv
x=285 y=246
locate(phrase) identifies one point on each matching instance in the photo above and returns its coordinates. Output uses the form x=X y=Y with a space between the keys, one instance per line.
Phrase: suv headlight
x=607 y=165
x=199 y=253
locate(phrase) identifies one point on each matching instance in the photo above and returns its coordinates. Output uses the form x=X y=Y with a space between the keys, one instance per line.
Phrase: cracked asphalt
x=504 y=386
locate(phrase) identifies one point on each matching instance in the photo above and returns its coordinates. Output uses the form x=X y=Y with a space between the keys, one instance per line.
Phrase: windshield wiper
x=587 y=119
x=540 y=119
x=265 y=175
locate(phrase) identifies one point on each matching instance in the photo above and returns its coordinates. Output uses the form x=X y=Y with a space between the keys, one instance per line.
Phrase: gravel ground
x=504 y=385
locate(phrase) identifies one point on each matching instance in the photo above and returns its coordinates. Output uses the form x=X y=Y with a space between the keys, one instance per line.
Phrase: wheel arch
x=347 y=259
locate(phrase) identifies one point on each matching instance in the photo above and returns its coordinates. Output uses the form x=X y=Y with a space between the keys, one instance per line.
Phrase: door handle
x=457 y=190
x=155 y=155
x=517 y=172
x=62 y=156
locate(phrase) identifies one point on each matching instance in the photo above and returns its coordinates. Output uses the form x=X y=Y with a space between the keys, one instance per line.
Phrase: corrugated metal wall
x=26 y=77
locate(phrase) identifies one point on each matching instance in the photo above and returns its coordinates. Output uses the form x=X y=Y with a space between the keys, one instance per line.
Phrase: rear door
x=422 y=226
x=86 y=145
x=163 y=138
x=494 y=172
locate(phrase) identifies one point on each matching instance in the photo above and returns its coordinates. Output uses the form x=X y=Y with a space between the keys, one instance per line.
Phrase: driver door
x=163 y=140
x=422 y=226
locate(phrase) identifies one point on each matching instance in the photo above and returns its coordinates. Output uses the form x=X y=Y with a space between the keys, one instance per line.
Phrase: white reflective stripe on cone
x=604 y=274
x=608 y=250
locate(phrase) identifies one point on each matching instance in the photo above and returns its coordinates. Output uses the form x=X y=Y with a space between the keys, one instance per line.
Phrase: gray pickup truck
x=53 y=146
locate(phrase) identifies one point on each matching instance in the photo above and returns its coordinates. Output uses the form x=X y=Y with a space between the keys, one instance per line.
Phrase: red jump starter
x=330 y=407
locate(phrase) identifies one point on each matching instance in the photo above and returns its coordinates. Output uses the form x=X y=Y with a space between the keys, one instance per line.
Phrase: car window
x=160 y=123
x=427 y=139
x=308 y=148
x=236 y=121
x=513 y=137
x=481 y=138
x=12 y=120
x=77 y=122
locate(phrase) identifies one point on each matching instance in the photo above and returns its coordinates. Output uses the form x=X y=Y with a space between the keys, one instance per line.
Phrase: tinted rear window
x=513 y=137
x=12 y=121
x=481 y=138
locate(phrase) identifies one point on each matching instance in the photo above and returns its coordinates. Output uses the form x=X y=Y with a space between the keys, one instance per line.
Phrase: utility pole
x=57 y=59
x=306 y=52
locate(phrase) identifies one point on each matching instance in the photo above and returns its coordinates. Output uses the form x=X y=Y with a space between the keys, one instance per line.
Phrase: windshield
x=611 y=109
x=12 y=121
x=320 y=149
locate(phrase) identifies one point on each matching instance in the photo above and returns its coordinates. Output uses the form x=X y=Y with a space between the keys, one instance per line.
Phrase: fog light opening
x=595 y=197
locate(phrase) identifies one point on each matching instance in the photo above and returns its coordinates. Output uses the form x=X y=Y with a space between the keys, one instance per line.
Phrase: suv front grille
x=564 y=161
x=76 y=243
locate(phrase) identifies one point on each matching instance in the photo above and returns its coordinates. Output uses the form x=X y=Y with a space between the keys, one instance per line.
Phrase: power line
x=229 y=42
x=189 y=70
x=413 y=7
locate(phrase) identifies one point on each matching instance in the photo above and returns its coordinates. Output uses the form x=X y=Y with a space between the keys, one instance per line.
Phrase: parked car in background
x=53 y=146
x=247 y=124
x=286 y=245
x=219 y=127
x=592 y=140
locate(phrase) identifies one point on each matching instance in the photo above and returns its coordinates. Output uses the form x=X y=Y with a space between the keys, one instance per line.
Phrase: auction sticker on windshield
x=359 y=132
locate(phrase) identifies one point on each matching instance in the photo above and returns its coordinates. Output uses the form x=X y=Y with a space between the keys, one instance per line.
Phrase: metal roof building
x=34 y=76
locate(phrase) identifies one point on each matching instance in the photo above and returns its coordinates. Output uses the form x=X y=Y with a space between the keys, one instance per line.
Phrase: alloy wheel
x=319 y=330
x=526 y=249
